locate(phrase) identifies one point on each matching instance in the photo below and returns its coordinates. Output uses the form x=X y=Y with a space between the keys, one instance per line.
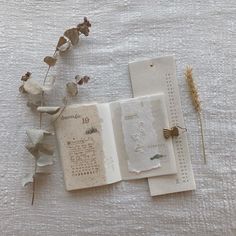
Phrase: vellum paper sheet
x=140 y=136
x=138 y=128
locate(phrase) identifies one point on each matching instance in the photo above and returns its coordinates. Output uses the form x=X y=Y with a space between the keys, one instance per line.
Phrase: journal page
x=86 y=146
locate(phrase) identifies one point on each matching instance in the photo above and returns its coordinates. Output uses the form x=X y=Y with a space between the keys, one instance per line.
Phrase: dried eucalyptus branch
x=38 y=147
x=196 y=103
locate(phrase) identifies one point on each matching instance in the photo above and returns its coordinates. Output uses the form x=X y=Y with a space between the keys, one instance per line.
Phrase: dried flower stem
x=196 y=103
x=40 y=126
x=70 y=38
x=33 y=184
x=42 y=95
x=202 y=136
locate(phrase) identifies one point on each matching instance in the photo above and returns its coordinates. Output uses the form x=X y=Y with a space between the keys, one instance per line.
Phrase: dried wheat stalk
x=196 y=103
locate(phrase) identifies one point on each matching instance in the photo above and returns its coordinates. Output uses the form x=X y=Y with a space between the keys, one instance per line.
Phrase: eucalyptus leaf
x=21 y=89
x=65 y=100
x=72 y=89
x=51 y=61
x=26 y=76
x=46 y=148
x=64 y=47
x=32 y=87
x=44 y=161
x=48 y=110
x=72 y=35
x=49 y=84
x=80 y=80
x=33 y=150
x=43 y=170
x=27 y=179
x=84 y=27
x=34 y=101
x=62 y=40
x=37 y=135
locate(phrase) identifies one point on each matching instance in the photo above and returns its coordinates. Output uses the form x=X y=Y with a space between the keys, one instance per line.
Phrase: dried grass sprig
x=196 y=103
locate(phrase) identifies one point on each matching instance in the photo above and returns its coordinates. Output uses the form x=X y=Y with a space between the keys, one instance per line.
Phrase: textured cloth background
x=200 y=33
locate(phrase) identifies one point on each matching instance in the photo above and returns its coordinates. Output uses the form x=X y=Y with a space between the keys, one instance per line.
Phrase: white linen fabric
x=199 y=33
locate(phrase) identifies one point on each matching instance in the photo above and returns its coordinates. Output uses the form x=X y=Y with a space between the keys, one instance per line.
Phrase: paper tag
x=158 y=75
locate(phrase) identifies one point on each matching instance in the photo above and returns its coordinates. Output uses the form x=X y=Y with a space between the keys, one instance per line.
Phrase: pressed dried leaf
x=82 y=80
x=44 y=161
x=34 y=101
x=61 y=41
x=84 y=27
x=48 y=110
x=32 y=87
x=72 y=89
x=26 y=76
x=37 y=135
x=27 y=179
x=64 y=47
x=46 y=148
x=72 y=35
x=33 y=150
x=51 y=61
x=31 y=105
x=21 y=89
x=49 y=84
x=64 y=100
x=43 y=170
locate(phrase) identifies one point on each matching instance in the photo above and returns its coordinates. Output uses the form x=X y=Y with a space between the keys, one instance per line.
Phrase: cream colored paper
x=155 y=76
x=83 y=133
x=111 y=161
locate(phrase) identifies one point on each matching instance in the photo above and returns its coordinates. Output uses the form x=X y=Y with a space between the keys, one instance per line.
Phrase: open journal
x=104 y=143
